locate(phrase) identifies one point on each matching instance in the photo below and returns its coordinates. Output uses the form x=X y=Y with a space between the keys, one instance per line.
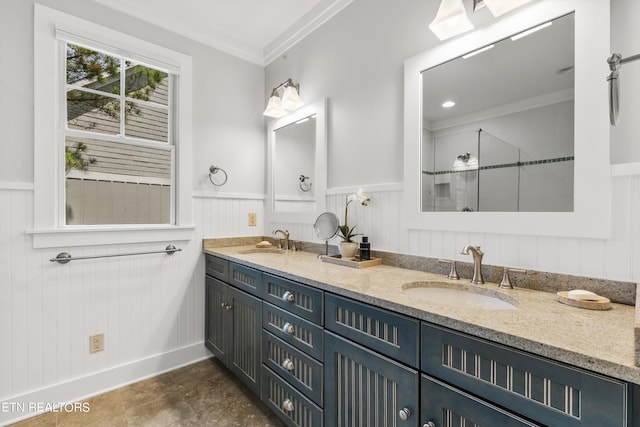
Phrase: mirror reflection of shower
x=477 y=171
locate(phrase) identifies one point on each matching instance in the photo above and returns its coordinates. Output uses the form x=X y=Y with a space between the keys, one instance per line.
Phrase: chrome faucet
x=285 y=233
x=477 y=262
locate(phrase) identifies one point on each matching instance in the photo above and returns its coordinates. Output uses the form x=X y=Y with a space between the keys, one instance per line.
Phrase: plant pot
x=348 y=249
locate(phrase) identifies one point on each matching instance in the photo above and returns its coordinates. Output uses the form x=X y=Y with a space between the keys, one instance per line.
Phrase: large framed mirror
x=524 y=149
x=297 y=165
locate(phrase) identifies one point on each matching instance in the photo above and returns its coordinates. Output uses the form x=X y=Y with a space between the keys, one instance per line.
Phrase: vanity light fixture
x=277 y=107
x=475 y=52
x=451 y=20
x=531 y=31
x=500 y=7
x=448 y=104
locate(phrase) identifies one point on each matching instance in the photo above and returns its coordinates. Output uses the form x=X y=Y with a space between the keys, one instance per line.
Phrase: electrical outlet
x=252 y=219
x=96 y=343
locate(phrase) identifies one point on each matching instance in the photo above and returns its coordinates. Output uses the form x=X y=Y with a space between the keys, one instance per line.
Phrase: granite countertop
x=600 y=341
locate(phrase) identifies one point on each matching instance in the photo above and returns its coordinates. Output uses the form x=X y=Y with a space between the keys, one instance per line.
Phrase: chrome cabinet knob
x=429 y=424
x=287 y=364
x=288 y=328
x=229 y=307
x=223 y=304
x=404 y=414
x=288 y=296
x=287 y=405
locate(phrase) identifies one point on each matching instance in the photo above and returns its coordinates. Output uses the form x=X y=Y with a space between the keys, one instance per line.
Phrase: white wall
x=150 y=308
x=356 y=60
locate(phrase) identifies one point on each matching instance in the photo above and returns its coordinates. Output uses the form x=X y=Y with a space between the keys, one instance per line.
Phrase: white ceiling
x=255 y=30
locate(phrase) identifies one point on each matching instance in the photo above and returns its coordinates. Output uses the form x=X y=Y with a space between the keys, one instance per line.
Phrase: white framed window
x=112 y=136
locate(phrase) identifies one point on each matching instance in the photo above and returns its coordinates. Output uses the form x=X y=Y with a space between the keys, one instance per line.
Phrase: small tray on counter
x=351 y=262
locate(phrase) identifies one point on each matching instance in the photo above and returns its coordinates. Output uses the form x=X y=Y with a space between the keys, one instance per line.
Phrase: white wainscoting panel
x=383 y=222
x=150 y=307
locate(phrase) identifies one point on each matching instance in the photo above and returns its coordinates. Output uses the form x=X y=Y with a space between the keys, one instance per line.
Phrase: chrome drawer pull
x=288 y=328
x=287 y=405
x=404 y=414
x=429 y=424
x=287 y=364
x=288 y=296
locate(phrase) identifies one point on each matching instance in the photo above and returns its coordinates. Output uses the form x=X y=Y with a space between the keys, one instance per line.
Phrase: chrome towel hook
x=213 y=170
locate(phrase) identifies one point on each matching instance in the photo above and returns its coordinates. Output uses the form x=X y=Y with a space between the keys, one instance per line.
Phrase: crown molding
x=312 y=20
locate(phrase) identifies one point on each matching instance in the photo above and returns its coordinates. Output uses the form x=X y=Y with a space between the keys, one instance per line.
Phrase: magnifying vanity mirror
x=296 y=165
x=506 y=129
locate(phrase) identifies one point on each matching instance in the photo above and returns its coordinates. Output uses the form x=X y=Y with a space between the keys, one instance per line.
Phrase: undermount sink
x=262 y=251
x=460 y=295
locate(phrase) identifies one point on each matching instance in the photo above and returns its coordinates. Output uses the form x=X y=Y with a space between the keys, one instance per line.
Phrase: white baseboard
x=16 y=408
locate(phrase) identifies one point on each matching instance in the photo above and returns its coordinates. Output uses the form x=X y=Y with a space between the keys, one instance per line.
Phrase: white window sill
x=109 y=235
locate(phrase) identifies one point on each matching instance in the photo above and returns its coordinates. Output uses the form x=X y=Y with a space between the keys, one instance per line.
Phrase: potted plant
x=347 y=246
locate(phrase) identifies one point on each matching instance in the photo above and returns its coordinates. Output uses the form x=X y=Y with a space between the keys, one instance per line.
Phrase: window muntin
x=119 y=168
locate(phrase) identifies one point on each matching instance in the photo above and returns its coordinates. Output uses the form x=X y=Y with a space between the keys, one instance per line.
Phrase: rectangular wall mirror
x=525 y=147
x=498 y=125
x=296 y=165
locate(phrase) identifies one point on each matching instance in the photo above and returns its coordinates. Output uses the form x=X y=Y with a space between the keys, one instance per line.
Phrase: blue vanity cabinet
x=233 y=329
x=444 y=405
x=364 y=388
x=364 y=385
x=216 y=335
x=292 y=351
x=541 y=390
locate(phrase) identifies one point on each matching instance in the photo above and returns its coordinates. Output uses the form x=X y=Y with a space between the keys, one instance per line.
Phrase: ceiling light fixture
x=451 y=20
x=475 y=52
x=500 y=7
x=531 y=31
x=277 y=107
x=448 y=104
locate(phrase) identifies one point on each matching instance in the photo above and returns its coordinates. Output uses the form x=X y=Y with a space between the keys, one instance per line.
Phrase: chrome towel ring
x=213 y=170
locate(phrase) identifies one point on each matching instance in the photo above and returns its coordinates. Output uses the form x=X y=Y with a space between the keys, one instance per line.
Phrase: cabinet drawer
x=245 y=278
x=298 y=332
x=295 y=367
x=391 y=334
x=297 y=298
x=542 y=390
x=217 y=267
x=444 y=405
x=291 y=406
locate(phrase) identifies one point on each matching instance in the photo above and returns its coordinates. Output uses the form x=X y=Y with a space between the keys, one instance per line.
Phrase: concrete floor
x=202 y=394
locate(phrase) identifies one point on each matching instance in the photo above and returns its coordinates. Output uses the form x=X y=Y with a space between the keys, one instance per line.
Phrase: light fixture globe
x=274 y=107
x=290 y=99
x=450 y=20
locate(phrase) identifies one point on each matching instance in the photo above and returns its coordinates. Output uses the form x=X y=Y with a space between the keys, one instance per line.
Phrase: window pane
x=115 y=183
x=91 y=69
x=91 y=112
x=147 y=84
x=144 y=121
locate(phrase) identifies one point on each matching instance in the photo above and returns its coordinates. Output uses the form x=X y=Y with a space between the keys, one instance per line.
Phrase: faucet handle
x=505 y=283
x=453 y=273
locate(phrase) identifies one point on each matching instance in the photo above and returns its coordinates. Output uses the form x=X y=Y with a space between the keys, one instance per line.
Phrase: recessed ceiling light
x=448 y=104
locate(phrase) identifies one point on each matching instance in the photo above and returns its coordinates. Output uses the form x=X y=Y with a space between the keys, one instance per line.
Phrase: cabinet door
x=363 y=388
x=216 y=336
x=443 y=405
x=245 y=354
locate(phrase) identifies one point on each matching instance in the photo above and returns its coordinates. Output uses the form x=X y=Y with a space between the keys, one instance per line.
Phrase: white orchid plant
x=343 y=230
